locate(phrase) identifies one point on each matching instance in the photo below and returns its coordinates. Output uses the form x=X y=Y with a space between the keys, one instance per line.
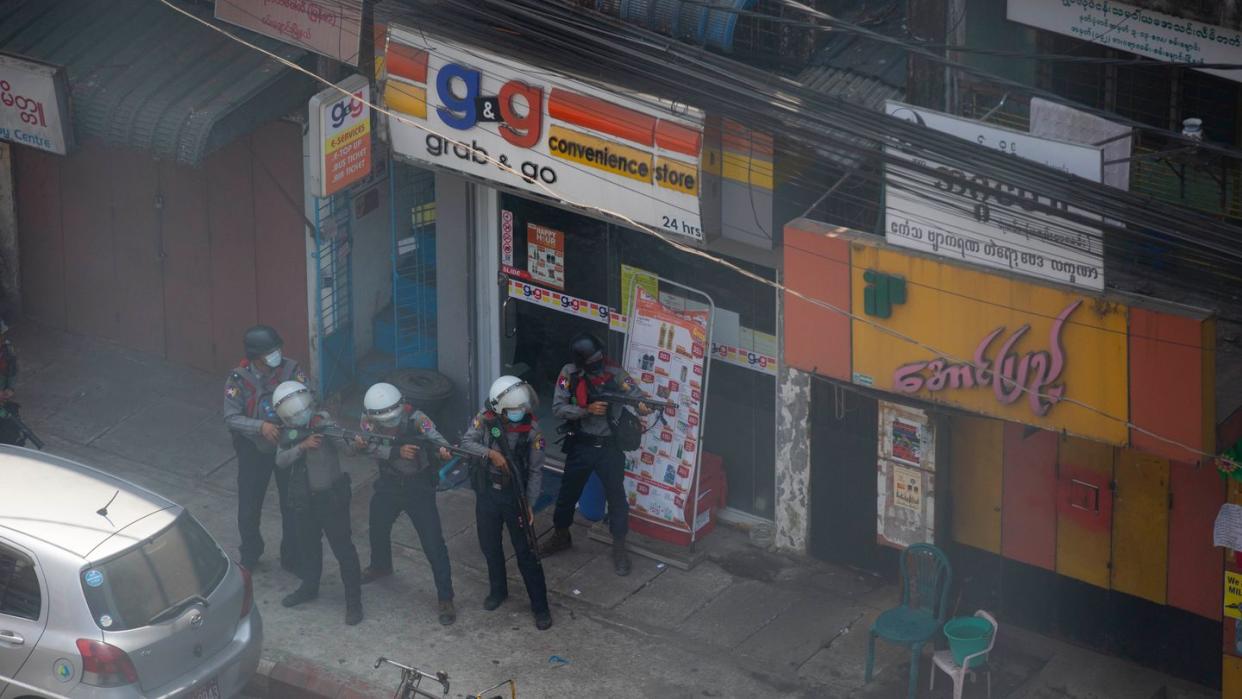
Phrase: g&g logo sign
x=343 y=110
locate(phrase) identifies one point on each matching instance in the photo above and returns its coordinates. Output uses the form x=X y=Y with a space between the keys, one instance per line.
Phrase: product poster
x=666 y=354
x=906 y=473
x=545 y=255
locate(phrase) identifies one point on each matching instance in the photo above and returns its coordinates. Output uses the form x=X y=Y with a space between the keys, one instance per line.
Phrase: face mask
x=515 y=415
x=389 y=421
x=595 y=367
x=302 y=419
x=272 y=359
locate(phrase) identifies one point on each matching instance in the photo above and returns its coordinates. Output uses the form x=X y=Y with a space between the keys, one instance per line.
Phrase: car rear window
x=128 y=590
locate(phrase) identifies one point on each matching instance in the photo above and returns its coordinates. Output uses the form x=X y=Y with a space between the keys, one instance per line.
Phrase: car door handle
x=11 y=638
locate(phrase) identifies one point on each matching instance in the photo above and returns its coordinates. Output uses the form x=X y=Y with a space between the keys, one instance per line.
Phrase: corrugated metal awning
x=144 y=76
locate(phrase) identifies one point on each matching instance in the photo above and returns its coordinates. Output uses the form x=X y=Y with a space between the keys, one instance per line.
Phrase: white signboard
x=530 y=129
x=1135 y=30
x=340 y=135
x=1056 y=121
x=991 y=222
x=34 y=105
x=329 y=27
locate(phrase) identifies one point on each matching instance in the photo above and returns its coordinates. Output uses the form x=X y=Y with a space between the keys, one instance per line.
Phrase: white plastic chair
x=943 y=659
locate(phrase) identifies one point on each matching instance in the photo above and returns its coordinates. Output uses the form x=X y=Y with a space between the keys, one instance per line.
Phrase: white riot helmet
x=383 y=404
x=512 y=397
x=294 y=403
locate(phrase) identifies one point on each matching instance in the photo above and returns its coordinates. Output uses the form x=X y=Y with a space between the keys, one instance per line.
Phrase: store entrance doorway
x=554 y=268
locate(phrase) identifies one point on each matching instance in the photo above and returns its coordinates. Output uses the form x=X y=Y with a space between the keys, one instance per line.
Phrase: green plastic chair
x=925 y=579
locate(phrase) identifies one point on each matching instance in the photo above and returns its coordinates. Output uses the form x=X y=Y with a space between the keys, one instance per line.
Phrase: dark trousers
x=608 y=462
x=416 y=497
x=328 y=516
x=10 y=433
x=493 y=511
x=254 y=472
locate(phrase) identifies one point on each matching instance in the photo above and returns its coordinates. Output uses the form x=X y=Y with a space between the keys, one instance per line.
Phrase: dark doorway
x=843 y=478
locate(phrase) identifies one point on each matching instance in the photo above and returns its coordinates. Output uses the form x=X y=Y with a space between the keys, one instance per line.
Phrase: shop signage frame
x=327 y=27
x=990 y=222
x=1134 y=30
x=340 y=136
x=34 y=104
x=638 y=157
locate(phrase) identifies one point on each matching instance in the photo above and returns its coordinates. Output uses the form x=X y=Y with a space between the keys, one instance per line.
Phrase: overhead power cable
x=687 y=249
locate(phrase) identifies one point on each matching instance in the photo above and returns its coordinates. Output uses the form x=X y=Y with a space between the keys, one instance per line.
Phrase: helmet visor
x=296 y=408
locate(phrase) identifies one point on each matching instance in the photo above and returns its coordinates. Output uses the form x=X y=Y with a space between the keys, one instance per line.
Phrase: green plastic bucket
x=968 y=635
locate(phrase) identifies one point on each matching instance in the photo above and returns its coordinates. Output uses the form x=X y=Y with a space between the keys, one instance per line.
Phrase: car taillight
x=248 y=597
x=105 y=665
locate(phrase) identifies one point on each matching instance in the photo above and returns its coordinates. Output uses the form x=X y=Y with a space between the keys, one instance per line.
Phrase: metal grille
x=334 y=293
x=413 y=340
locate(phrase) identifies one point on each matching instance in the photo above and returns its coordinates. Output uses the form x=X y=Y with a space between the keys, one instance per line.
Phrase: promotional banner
x=34 y=105
x=340 y=136
x=484 y=115
x=992 y=222
x=666 y=354
x=574 y=306
x=328 y=27
x=907 y=477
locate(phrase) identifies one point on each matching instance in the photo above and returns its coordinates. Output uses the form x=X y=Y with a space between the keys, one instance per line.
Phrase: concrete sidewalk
x=744 y=623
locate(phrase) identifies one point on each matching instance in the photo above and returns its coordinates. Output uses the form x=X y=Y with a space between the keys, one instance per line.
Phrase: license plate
x=210 y=690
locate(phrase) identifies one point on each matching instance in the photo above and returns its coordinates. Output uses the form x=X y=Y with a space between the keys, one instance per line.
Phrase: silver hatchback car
x=109 y=590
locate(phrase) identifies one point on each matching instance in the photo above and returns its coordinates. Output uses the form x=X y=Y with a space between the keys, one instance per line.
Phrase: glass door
x=555 y=268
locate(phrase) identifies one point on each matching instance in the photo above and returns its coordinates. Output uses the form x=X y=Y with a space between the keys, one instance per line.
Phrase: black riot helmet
x=261 y=340
x=588 y=352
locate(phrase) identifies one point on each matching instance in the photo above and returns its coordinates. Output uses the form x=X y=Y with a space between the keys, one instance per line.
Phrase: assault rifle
x=9 y=411
x=525 y=521
x=296 y=434
x=631 y=400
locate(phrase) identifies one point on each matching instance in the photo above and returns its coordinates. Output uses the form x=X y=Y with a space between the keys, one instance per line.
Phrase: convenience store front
x=1058 y=511
x=542 y=184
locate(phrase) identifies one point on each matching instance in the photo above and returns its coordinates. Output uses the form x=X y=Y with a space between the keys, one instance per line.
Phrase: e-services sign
x=474 y=112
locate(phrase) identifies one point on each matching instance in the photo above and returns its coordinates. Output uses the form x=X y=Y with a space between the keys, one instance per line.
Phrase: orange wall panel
x=1168 y=359
x=1084 y=510
x=1029 y=496
x=817 y=264
x=1195 y=566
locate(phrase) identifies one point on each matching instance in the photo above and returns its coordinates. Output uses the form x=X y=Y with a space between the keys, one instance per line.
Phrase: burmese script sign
x=995 y=345
x=1135 y=30
x=329 y=27
x=987 y=221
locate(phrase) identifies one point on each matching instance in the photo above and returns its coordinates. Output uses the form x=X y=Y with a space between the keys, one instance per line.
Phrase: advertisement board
x=991 y=222
x=340 y=133
x=666 y=354
x=480 y=114
x=1135 y=30
x=328 y=27
x=906 y=473
x=34 y=105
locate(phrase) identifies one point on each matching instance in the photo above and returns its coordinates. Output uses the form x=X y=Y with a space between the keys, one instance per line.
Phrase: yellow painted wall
x=953 y=308
x=976 y=447
x=1084 y=539
x=1141 y=526
x=1231 y=678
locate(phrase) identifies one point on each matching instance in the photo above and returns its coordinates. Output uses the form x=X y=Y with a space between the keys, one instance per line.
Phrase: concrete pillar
x=10 y=260
x=793 y=458
x=455 y=316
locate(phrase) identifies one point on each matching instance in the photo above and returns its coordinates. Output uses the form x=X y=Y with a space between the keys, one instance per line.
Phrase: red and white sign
x=506 y=238
x=565 y=303
x=471 y=111
x=340 y=132
x=329 y=27
x=665 y=352
x=545 y=255
x=34 y=99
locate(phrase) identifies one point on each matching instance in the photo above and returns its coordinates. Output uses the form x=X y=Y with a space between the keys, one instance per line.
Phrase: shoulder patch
x=628 y=383
x=425 y=425
x=300 y=377
x=476 y=423
x=540 y=444
x=232 y=391
x=563 y=381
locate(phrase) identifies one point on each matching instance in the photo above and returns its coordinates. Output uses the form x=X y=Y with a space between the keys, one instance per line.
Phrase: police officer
x=253 y=422
x=319 y=496
x=406 y=483
x=9 y=432
x=508 y=438
x=590 y=446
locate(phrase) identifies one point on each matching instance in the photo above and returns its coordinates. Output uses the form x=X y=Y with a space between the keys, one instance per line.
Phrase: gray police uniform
x=590 y=447
x=319 y=496
x=496 y=504
x=247 y=405
x=409 y=486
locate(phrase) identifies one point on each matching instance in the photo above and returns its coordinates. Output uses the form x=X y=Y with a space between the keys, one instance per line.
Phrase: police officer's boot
x=543 y=620
x=353 y=612
x=299 y=596
x=447 y=613
x=559 y=541
x=620 y=558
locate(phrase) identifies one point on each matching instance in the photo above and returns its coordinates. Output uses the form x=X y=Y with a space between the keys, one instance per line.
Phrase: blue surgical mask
x=273 y=358
x=515 y=415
